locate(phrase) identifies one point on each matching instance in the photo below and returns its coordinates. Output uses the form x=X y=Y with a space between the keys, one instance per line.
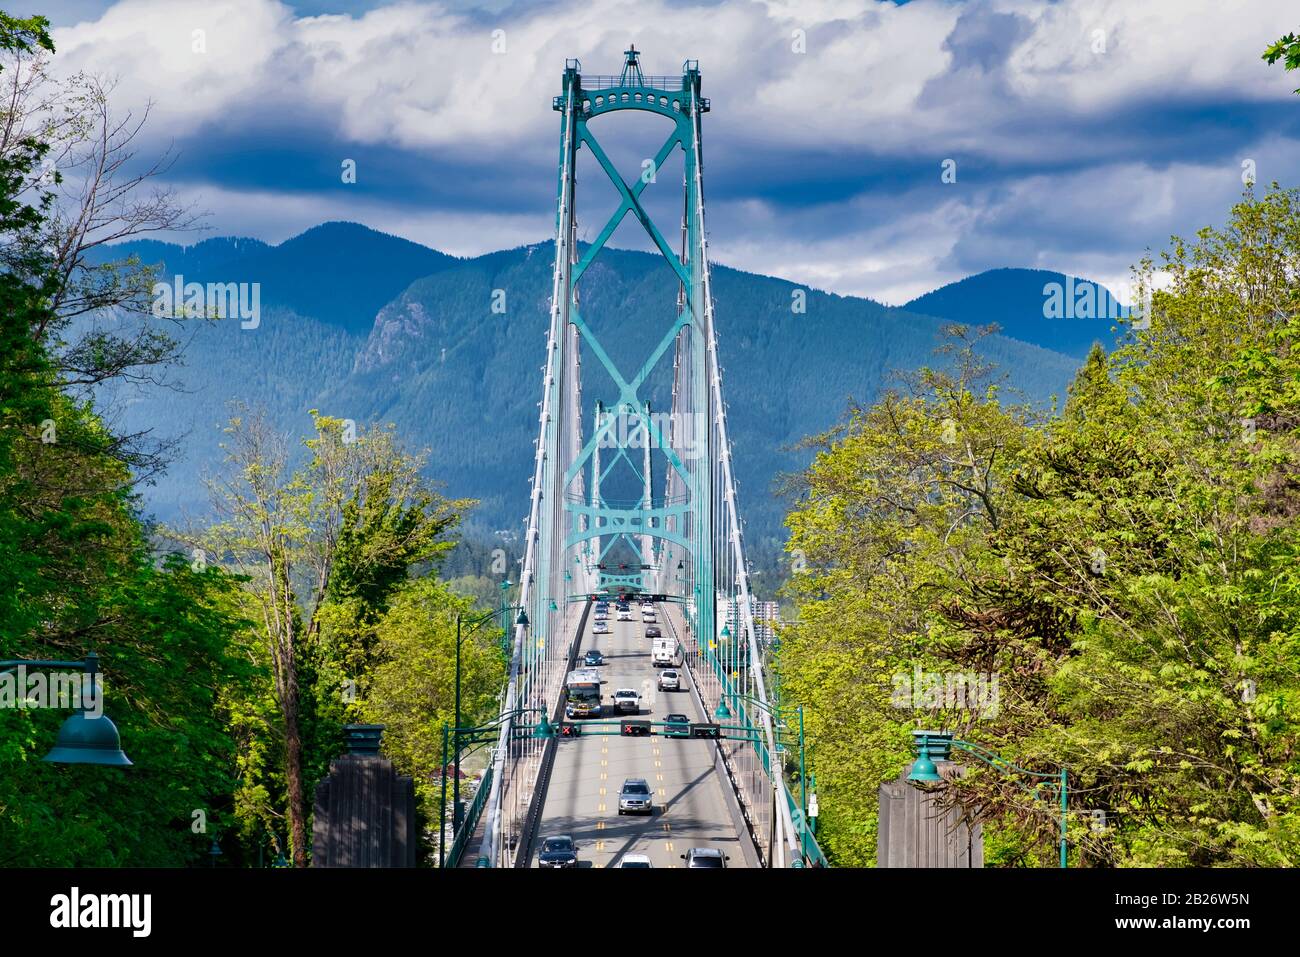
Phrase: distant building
x=767 y=617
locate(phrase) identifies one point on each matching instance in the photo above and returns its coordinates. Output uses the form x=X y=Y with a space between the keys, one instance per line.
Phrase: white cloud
x=876 y=80
x=192 y=58
x=425 y=75
x=1159 y=48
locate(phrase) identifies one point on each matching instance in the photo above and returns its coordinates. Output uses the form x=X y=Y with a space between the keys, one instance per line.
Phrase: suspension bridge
x=634 y=501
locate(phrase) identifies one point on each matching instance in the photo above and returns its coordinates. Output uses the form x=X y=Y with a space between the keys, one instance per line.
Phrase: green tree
x=893 y=522
x=1125 y=570
x=76 y=575
x=412 y=686
x=1287 y=49
x=321 y=548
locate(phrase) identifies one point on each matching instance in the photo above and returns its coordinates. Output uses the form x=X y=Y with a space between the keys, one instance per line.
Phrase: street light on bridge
x=475 y=624
x=723 y=713
x=483 y=734
x=929 y=745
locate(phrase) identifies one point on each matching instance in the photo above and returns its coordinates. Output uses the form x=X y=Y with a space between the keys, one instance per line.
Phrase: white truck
x=627 y=699
x=665 y=653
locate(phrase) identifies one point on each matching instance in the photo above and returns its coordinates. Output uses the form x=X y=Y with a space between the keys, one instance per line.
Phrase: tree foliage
x=76 y=575
x=1286 y=49
x=1125 y=571
x=321 y=548
x=222 y=668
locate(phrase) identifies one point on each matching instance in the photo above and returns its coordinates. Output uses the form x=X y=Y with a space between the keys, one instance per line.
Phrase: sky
x=1077 y=135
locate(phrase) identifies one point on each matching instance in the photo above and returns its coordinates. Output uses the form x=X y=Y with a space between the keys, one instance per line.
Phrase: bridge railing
x=743 y=715
x=592 y=82
x=470 y=823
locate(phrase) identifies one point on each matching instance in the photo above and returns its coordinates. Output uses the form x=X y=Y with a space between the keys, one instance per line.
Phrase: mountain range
x=366 y=326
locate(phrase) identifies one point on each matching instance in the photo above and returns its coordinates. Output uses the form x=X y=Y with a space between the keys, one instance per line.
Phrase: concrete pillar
x=365 y=810
x=915 y=832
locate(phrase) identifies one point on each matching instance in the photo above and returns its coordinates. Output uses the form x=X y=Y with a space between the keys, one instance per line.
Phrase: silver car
x=635 y=797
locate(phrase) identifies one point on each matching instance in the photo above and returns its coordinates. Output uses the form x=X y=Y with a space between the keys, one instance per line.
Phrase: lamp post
x=928 y=745
x=505 y=632
x=82 y=739
x=479 y=735
x=475 y=624
x=723 y=713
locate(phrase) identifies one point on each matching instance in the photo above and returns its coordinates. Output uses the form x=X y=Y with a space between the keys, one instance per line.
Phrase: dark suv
x=559 y=851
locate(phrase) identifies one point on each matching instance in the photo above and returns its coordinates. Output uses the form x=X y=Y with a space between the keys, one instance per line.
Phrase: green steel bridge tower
x=685 y=529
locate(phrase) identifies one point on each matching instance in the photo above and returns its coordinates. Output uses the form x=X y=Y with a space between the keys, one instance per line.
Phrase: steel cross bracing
x=688 y=541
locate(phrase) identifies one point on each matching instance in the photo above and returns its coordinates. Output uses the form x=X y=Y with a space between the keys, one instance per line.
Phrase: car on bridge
x=634 y=798
x=670 y=680
x=600 y=628
x=558 y=851
x=634 y=860
x=677 y=726
x=705 y=857
x=653 y=632
x=624 y=614
x=627 y=700
x=593 y=658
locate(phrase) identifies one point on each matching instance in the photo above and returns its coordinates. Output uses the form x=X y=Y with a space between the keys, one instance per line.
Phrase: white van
x=665 y=654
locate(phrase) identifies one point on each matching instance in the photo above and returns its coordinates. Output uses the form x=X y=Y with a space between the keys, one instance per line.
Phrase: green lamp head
x=88 y=740
x=928 y=745
x=923 y=769
x=522 y=619
x=722 y=713
x=544 y=729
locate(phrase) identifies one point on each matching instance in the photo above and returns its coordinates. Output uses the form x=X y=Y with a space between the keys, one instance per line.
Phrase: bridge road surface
x=693 y=803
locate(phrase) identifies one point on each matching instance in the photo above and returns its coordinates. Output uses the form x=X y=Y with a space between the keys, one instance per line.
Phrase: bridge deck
x=695 y=805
